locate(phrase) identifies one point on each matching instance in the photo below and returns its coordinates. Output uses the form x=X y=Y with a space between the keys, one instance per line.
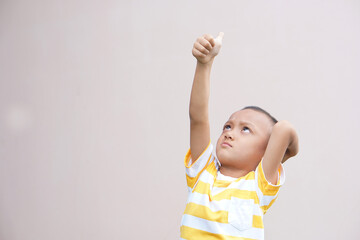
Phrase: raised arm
x=282 y=145
x=205 y=49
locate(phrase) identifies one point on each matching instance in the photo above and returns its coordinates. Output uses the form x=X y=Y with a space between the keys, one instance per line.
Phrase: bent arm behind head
x=282 y=145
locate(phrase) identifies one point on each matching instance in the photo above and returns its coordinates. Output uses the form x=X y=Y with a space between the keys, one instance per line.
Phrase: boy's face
x=243 y=141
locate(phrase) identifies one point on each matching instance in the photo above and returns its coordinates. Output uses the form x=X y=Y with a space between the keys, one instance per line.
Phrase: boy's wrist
x=206 y=64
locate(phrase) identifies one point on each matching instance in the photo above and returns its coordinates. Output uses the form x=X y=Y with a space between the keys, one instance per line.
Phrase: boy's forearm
x=199 y=99
x=291 y=137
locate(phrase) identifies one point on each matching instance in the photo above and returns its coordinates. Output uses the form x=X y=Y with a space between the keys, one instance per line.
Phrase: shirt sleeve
x=194 y=169
x=267 y=191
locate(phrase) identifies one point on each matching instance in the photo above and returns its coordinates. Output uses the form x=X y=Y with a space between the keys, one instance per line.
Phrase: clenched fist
x=207 y=47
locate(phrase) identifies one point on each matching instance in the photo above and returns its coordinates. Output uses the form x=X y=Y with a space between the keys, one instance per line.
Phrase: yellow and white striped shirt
x=220 y=207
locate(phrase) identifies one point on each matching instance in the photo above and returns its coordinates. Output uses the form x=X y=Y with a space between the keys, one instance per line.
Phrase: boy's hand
x=206 y=47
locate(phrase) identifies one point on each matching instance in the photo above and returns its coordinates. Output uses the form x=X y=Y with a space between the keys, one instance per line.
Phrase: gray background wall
x=94 y=111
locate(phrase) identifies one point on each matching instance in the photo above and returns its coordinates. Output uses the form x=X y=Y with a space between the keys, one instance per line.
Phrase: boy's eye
x=227 y=127
x=246 y=129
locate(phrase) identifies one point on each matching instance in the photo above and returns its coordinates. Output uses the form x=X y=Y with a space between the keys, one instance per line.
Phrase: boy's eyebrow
x=247 y=123
x=242 y=123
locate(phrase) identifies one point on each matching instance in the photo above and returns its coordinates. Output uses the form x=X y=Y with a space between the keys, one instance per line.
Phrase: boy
x=230 y=192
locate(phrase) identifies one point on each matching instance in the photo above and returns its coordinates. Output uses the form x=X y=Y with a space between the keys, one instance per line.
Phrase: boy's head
x=245 y=135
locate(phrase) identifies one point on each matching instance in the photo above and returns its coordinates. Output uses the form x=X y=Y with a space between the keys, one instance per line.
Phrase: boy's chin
x=222 y=156
x=225 y=159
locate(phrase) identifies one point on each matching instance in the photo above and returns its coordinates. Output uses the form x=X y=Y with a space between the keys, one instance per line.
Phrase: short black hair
x=255 y=108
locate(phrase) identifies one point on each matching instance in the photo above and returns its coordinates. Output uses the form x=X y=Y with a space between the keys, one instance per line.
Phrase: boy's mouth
x=226 y=144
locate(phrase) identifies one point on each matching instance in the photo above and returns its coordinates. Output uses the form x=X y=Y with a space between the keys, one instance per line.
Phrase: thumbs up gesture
x=207 y=47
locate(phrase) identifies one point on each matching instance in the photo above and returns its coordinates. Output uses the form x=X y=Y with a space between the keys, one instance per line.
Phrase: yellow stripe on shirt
x=257 y=222
x=201 y=211
x=203 y=188
x=266 y=207
x=212 y=169
x=220 y=216
x=233 y=192
x=265 y=187
x=191 y=181
x=196 y=234
x=225 y=183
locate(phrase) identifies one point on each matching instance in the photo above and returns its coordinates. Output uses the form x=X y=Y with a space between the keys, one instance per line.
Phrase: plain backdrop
x=94 y=112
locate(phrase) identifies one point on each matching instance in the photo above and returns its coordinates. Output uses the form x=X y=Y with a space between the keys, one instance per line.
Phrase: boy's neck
x=232 y=172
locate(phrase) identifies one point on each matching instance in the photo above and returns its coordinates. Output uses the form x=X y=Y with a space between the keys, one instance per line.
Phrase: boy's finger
x=210 y=39
x=197 y=53
x=205 y=43
x=220 y=37
x=200 y=47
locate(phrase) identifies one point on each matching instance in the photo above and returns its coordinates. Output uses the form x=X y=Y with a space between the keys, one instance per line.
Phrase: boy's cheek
x=218 y=144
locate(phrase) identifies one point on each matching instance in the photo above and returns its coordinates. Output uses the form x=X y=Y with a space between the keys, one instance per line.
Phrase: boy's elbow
x=284 y=127
x=197 y=116
x=286 y=131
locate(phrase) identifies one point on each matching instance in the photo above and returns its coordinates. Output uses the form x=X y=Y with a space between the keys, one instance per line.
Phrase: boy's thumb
x=220 y=37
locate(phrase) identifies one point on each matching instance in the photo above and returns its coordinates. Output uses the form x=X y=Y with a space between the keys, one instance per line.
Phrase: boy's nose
x=228 y=136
